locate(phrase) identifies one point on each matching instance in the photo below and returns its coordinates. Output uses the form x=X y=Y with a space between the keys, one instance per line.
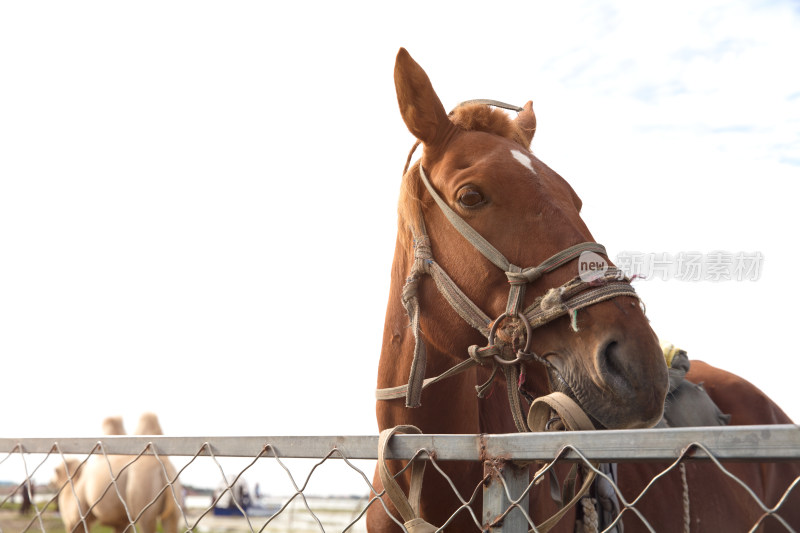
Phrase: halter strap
x=468 y=232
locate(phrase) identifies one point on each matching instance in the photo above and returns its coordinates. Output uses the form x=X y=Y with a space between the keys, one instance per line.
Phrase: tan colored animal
x=142 y=486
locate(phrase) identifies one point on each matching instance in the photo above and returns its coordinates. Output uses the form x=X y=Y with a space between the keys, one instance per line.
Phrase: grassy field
x=293 y=520
x=11 y=521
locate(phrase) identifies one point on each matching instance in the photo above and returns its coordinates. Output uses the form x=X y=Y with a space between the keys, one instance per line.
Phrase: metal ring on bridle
x=551 y=422
x=528 y=336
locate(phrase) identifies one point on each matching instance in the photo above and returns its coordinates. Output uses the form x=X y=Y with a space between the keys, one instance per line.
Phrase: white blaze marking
x=524 y=160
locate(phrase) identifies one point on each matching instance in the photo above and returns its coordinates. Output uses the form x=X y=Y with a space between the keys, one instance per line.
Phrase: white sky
x=197 y=199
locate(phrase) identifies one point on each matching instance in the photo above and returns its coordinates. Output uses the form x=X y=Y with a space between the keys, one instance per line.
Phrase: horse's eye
x=469 y=197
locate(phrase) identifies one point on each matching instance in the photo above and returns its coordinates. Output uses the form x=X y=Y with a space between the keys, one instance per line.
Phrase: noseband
x=566 y=299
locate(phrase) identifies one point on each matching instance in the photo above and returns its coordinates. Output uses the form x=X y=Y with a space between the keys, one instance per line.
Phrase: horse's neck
x=450 y=406
x=398 y=339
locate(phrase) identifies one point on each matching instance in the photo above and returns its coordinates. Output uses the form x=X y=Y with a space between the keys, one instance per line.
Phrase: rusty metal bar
x=502 y=494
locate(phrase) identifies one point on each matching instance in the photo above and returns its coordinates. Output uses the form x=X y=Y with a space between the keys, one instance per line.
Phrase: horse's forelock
x=480 y=117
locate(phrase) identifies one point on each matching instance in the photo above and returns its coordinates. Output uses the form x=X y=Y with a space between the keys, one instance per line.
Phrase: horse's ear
x=526 y=122
x=420 y=107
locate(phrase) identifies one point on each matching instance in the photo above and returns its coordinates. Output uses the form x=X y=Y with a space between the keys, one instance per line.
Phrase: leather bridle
x=566 y=299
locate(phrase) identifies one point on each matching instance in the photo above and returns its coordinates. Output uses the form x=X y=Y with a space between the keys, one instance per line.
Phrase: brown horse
x=458 y=284
x=714 y=499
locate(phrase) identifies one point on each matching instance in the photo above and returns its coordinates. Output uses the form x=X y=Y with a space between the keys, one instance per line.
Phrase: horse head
x=477 y=167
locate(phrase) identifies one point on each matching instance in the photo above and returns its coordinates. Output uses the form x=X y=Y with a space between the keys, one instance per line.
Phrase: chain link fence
x=325 y=483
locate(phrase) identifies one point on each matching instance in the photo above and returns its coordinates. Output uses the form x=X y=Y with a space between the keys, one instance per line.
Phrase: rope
x=590 y=520
x=687 y=520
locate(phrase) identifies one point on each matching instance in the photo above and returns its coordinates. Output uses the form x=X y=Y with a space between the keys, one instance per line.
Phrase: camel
x=100 y=498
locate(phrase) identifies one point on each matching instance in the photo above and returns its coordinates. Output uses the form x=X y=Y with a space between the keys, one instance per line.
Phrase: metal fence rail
x=26 y=461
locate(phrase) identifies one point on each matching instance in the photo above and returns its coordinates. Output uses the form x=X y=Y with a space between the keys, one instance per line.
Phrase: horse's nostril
x=610 y=359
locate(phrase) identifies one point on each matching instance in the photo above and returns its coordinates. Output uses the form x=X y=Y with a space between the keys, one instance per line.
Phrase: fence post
x=496 y=501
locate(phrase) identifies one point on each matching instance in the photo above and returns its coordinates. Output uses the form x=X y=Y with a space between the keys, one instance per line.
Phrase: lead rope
x=687 y=520
x=590 y=519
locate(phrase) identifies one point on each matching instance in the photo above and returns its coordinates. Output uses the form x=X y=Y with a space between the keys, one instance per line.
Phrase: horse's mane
x=469 y=117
